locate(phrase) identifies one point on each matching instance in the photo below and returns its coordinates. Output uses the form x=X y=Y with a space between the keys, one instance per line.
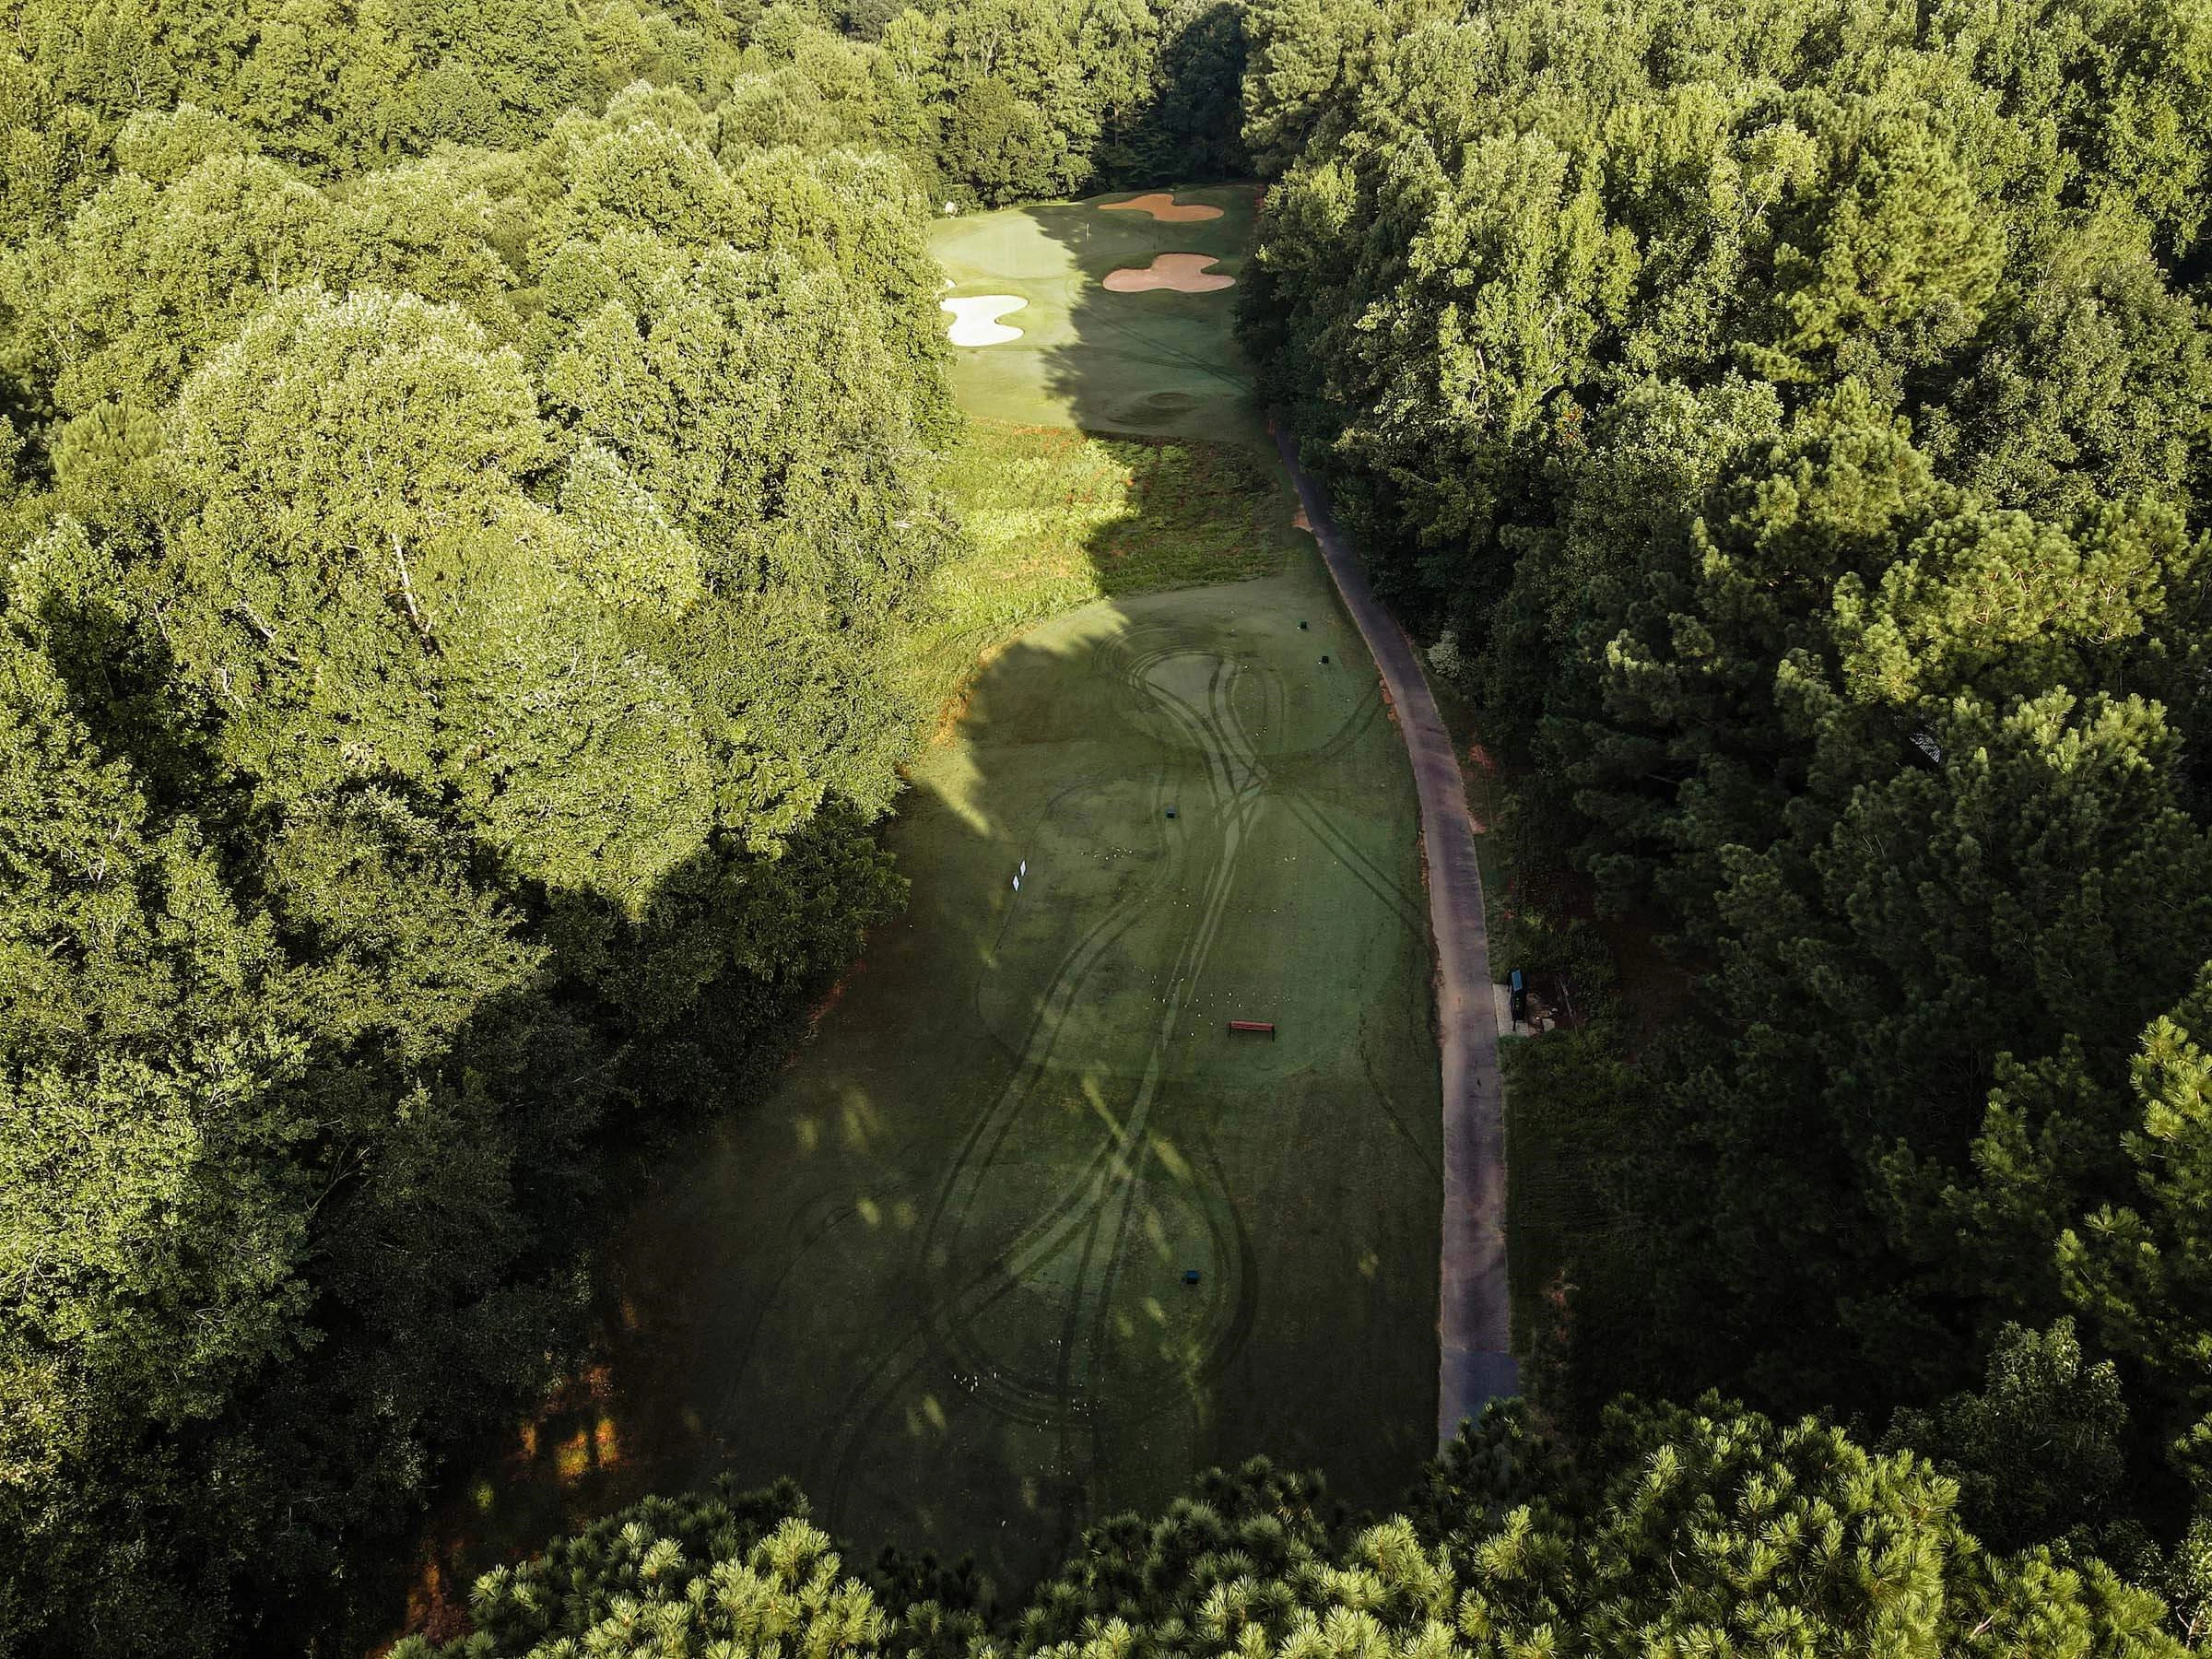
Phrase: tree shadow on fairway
x=1026 y=1123
x=940 y=1269
x=1162 y=363
x=1056 y=517
x=942 y=1273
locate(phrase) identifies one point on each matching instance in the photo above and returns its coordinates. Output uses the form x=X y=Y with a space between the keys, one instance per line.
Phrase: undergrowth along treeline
x=1793 y=421
x=468 y=489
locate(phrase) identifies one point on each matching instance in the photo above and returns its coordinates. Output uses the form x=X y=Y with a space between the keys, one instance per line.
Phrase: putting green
x=1165 y=363
x=1026 y=1236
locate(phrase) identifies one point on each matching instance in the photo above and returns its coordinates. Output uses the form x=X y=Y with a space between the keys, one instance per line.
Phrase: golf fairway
x=1026 y=1236
x=944 y=1278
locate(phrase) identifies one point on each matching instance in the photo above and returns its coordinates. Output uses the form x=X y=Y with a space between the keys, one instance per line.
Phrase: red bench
x=1252 y=1025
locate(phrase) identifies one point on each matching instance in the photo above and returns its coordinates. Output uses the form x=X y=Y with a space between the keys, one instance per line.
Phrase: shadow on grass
x=1159 y=362
x=1056 y=518
x=942 y=1274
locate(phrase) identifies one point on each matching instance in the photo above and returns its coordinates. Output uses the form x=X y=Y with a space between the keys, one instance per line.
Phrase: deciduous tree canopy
x=1667 y=1531
x=1795 y=419
x=465 y=482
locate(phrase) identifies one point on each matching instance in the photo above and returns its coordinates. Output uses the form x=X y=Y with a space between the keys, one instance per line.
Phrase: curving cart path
x=1473 y=1327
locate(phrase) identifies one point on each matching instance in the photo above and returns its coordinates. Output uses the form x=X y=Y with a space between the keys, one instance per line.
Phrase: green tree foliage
x=2136 y=1268
x=2038 y=1450
x=986 y=100
x=465 y=479
x=1669 y=1531
x=680 y=1575
x=1797 y=418
x=1039 y=98
x=463 y=506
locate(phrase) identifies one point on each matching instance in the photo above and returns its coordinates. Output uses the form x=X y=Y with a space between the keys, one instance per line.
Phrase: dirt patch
x=1184 y=273
x=1162 y=207
x=975 y=322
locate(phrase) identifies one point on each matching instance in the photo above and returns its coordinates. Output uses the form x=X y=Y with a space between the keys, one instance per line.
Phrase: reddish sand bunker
x=1161 y=206
x=1185 y=273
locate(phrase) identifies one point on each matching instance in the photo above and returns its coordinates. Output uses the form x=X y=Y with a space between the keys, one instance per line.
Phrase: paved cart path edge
x=1474 y=1360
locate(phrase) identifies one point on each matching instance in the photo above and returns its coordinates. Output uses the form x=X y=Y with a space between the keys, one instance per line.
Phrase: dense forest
x=468 y=476
x=1790 y=421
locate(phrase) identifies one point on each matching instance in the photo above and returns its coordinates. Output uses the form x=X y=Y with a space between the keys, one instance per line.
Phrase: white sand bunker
x=1161 y=206
x=1185 y=273
x=976 y=321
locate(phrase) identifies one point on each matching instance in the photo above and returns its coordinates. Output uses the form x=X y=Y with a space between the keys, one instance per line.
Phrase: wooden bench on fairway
x=1253 y=1025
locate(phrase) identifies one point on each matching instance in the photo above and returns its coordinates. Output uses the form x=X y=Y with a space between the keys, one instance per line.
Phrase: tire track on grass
x=1245 y=797
x=1108 y=1193
x=1236 y=801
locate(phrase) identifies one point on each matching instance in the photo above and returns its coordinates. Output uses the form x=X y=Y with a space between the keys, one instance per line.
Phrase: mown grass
x=1056 y=518
x=1157 y=365
x=801 y=1294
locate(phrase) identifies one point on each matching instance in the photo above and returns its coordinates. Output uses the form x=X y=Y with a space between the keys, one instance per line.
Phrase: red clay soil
x=1475 y=1362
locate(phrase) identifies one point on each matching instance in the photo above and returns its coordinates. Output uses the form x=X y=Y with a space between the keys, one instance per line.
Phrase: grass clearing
x=1026 y=1236
x=1057 y=518
x=1160 y=364
x=941 y=1276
